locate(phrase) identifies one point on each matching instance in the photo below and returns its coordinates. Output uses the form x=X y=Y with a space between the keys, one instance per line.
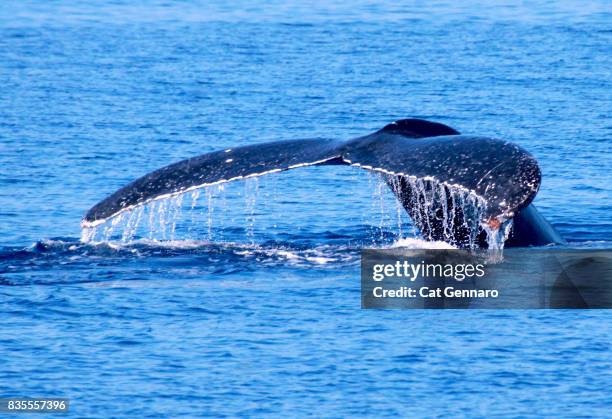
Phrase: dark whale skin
x=498 y=172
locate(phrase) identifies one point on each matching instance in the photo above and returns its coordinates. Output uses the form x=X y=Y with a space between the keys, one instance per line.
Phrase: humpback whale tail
x=456 y=188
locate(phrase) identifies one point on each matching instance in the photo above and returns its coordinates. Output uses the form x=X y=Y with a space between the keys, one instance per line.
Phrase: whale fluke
x=211 y=169
x=431 y=168
x=502 y=173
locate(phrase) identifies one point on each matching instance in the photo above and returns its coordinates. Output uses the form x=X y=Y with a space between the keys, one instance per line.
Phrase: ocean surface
x=245 y=300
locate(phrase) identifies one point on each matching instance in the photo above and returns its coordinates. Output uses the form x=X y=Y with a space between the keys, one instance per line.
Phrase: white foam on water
x=416 y=243
x=173 y=244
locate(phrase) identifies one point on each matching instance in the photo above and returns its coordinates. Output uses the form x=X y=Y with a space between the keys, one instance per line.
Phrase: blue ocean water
x=247 y=302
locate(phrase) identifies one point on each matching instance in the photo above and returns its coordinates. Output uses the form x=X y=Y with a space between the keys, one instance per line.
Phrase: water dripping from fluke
x=157 y=220
x=444 y=213
x=435 y=210
x=251 y=191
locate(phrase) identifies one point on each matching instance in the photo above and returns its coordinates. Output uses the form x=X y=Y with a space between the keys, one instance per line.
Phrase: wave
x=60 y=260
